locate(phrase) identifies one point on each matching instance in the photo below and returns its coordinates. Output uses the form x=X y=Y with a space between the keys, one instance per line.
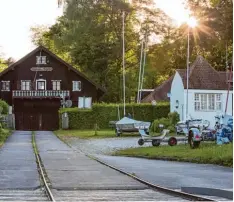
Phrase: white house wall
x=208 y=115
x=177 y=93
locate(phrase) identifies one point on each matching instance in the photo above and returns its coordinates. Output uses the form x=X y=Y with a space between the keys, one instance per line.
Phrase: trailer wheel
x=140 y=142
x=172 y=141
x=155 y=143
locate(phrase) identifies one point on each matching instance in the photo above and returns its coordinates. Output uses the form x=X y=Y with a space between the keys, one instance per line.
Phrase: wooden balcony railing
x=40 y=93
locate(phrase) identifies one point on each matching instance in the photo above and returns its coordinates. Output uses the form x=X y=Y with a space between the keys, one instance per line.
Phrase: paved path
x=69 y=170
x=166 y=173
x=174 y=174
x=18 y=168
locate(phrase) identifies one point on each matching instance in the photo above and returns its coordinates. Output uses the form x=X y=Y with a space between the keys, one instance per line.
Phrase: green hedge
x=101 y=114
x=4 y=106
x=4 y=133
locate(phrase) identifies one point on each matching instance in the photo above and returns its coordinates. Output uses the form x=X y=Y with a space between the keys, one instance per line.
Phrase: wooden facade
x=34 y=90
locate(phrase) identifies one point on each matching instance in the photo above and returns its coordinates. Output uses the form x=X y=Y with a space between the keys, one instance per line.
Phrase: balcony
x=40 y=93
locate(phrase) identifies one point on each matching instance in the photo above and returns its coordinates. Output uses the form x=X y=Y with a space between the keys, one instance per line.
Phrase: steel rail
x=181 y=194
x=154 y=186
x=42 y=174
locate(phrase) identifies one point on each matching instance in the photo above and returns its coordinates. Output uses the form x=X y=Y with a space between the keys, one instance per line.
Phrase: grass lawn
x=91 y=134
x=207 y=153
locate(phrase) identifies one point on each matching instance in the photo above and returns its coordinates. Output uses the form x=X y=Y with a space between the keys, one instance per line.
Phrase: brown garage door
x=36 y=114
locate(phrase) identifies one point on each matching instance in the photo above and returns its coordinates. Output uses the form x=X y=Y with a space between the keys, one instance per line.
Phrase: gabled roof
x=201 y=76
x=11 y=67
x=160 y=92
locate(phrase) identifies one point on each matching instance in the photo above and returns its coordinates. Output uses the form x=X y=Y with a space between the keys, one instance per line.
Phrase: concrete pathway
x=18 y=168
x=68 y=170
x=174 y=175
x=166 y=173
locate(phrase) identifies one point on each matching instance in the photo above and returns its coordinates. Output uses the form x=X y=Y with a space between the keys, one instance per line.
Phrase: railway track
x=41 y=171
x=154 y=192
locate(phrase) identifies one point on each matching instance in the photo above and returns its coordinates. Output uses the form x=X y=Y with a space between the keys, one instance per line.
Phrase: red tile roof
x=201 y=76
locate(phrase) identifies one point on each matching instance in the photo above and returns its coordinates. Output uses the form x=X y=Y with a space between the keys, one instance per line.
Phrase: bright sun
x=192 y=22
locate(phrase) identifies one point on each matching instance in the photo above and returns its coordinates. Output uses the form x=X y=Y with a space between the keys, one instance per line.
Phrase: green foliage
x=4 y=133
x=155 y=126
x=101 y=114
x=89 y=36
x=169 y=122
x=174 y=118
x=4 y=106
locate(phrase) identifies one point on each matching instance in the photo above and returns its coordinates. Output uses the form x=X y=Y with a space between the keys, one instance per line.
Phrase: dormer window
x=41 y=60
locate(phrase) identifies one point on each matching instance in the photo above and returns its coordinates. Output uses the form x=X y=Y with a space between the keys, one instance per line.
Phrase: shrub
x=155 y=125
x=4 y=106
x=4 y=133
x=101 y=114
x=171 y=128
x=174 y=118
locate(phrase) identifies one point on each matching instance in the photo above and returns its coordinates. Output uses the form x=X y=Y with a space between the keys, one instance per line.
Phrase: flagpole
x=139 y=79
x=124 y=93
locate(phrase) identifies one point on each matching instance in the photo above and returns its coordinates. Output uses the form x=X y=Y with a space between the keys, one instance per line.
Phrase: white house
x=207 y=92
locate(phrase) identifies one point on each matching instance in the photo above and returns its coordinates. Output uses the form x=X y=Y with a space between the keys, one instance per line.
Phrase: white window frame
x=41 y=60
x=207 y=102
x=82 y=102
x=56 y=84
x=41 y=80
x=25 y=85
x=8 y=86
x=76 y=85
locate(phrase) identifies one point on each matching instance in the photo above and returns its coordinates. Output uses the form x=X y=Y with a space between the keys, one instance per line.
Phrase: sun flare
x=192 y=22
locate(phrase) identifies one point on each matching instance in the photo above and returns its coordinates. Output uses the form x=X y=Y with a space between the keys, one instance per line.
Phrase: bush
x=101 y=114
x=4 y=133
x=169 y=123
x=155 y=126
x=4 y=106
x=174 y=118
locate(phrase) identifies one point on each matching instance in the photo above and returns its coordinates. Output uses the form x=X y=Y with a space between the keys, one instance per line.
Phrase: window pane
x=218 y=97
x=197 y=106
x=218 y=106
x=76 y=85
x=211 y=102
x=203 y=101
x=196 y=97
x=88 y=102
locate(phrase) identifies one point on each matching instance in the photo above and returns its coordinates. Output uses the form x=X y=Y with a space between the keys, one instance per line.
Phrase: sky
x=17 y=16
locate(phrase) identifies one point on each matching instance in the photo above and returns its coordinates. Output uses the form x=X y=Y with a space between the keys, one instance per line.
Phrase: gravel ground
x=107 y=145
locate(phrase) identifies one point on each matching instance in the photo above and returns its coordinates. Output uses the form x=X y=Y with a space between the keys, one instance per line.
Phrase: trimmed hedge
x=101 y=114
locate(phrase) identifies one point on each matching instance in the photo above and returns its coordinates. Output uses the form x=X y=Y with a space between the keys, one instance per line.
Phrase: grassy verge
x=4 y=134
x=206 y=153
x=85 y=134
